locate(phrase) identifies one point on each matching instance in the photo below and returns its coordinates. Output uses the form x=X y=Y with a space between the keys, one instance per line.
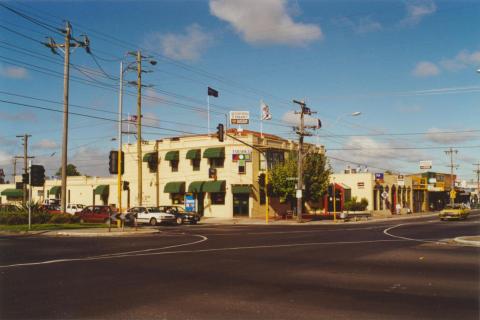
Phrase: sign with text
x=239 y=155
x=379 y=177
x=239 y=117
x=426 y=164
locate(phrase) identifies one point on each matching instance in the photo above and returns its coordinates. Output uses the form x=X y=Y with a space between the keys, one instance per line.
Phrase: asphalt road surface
x=408 y=269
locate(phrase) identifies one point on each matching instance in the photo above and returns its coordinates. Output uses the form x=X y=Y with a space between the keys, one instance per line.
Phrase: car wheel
x=179 y=220
x=153 y=222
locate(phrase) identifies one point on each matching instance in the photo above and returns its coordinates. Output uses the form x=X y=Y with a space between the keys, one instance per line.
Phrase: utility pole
x=452 y=166
x=139 y=127
x=138 y=83
x=120 y=115
x=25 y=162
x=478 y=176
x=301 y=134
x=65 y=47
x=14 y=169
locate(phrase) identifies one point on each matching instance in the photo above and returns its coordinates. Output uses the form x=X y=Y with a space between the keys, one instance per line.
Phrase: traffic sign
x=453 y=194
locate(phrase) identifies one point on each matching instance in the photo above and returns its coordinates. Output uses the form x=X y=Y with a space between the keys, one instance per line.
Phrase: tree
x=71 y=171
x=316 y=174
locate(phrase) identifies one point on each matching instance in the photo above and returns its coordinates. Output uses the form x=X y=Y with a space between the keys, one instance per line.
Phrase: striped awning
x=12 y=193
x=174 y=187
x=241 y=188
x=214 y=153
x=172 y=156
x=194 y=154
x=214 y=186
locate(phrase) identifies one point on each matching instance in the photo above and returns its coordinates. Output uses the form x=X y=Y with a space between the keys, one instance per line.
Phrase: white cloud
x=417 y=10
x=435 y=135
x=425 y=69
x=153 y=98
x=13 y=72
x=150 y=119
x=462 y=60
x=46 y=144
x=359 y=26
x=265 y=22
x=186 y=46
x=25 y=116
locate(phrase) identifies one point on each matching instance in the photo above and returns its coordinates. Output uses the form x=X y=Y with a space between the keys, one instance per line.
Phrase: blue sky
x=407 y=66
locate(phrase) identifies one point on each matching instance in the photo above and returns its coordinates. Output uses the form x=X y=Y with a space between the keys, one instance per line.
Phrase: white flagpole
x=261 y=118
x=208 y=114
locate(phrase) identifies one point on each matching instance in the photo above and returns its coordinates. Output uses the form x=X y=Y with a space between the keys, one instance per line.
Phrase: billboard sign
x=426 y=164
x=379 y=177
x=239 y=117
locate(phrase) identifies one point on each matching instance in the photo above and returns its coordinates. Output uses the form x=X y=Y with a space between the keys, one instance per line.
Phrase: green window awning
x=174 y=187
x=196 y=186
x=214 y=153
x=172 y=156
x=241 y=188
x=102 y=189
x=194 y=154
x=55 y=190
x=214 y=186
x=151 y=156
x=12 y=193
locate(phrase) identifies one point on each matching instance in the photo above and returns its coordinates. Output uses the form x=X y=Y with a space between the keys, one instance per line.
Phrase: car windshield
x=455 y=206
x=152 y=209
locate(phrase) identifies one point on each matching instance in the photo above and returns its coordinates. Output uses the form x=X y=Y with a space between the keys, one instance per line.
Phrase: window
x=218 y=197
x=274 y=158
x=174 y=165
x=196 y=164
x=242 y=169
x=178 y=198
x=217 y=162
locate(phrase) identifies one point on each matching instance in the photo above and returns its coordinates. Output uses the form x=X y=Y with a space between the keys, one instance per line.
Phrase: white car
x=150 y=215
x=74 y=208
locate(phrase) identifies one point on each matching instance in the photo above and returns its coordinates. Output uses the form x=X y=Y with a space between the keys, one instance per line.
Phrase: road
x=408 y=269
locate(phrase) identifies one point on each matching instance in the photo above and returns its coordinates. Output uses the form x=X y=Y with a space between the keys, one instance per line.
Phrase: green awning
x=13 y=193
x=214 y=186
x=172 y=156
x=241 y=188
x=196 y=186
x=174 y=187
x=194 y=154
x=55 y=190
x=147 y=157
x=214 y=153
x=102 y=189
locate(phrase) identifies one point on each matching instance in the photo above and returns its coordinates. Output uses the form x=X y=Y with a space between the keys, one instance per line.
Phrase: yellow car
x=455 y=211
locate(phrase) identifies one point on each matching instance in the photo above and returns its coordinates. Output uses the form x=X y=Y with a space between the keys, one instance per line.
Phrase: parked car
x=150 y=215
x=181 y=215
x=456 y=211
x=74 y=208
x=51 y=208
x=96 y=214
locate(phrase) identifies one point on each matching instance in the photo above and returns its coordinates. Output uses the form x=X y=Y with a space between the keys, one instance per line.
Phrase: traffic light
x=113 y=162
x=261 y=180
x=38 y=175
x=220 y=132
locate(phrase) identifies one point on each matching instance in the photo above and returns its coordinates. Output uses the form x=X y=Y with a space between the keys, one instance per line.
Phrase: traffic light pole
x=30 y=195
x=139 y=128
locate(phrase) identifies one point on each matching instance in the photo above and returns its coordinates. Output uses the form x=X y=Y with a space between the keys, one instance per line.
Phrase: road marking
x=93 y=258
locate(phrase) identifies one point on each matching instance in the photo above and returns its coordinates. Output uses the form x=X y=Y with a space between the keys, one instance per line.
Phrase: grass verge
x=50 y=226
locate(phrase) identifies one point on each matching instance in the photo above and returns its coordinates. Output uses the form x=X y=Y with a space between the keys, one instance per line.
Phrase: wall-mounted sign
x=432 y=180
x=239 y=117
x=360 y=185
x=238 y=155
x=401 y=180
x=379 y=177
x=189 y=203
x=426 y=164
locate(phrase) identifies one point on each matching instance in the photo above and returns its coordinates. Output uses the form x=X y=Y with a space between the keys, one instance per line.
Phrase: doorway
x=200 y=206
x=241 y=204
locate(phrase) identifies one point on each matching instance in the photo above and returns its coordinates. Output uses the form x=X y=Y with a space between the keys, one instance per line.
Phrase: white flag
x=266 y=115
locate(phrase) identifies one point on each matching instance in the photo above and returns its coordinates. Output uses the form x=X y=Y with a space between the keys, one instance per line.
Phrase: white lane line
x=203 y=238
x=291 y=245
x=386 y=231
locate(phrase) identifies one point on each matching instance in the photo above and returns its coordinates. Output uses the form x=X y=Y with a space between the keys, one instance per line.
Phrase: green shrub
x=353 y=205
x=41 y=217
x=14 y=218
x=60 y=218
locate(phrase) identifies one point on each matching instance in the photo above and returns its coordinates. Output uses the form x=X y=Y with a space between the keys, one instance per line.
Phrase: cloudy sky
x=409 y=67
